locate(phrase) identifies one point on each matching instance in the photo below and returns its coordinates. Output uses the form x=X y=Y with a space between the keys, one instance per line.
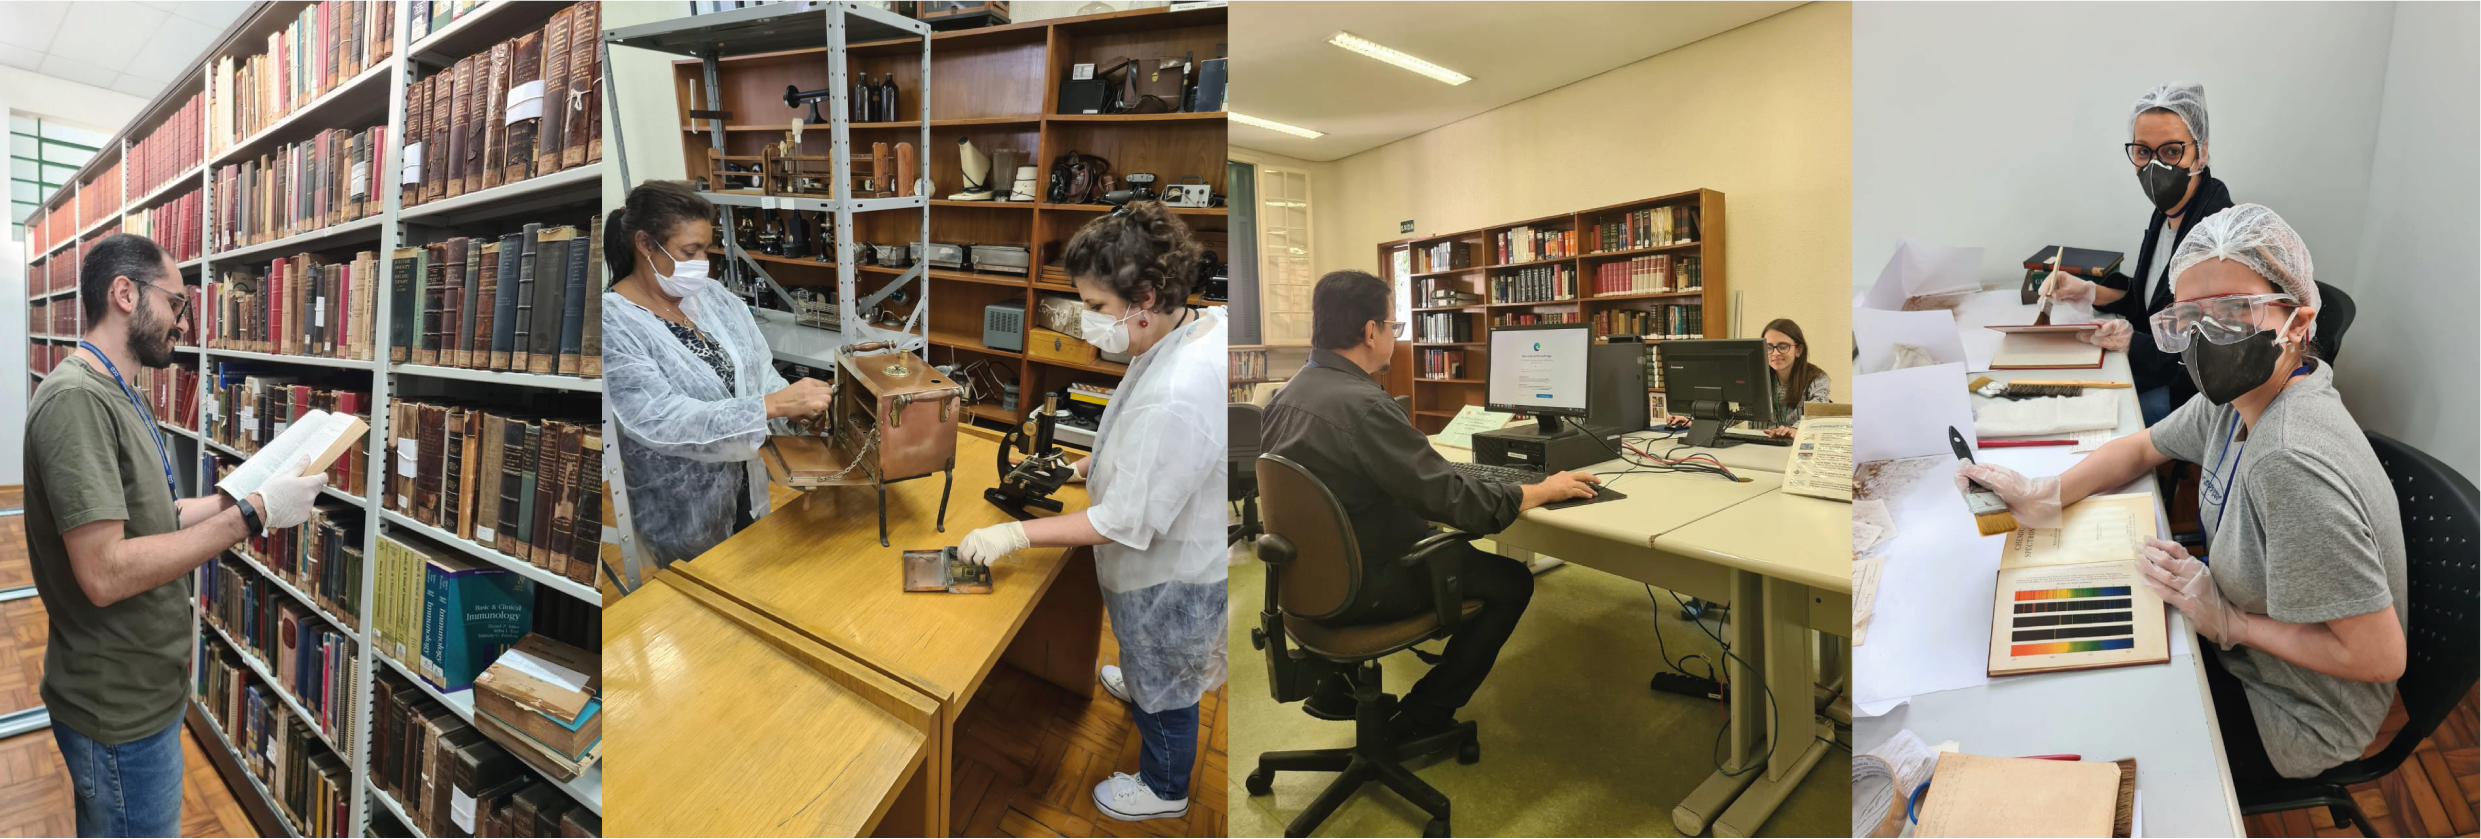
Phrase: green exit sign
x=1405 y=227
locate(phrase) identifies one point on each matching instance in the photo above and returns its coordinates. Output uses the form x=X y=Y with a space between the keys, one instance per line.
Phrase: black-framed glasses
x=2174 y=153
x=180 y=301
x=1394 y=327
x=1781 y=349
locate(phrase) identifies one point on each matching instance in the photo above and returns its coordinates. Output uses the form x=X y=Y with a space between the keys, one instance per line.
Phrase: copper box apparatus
x=894 y=419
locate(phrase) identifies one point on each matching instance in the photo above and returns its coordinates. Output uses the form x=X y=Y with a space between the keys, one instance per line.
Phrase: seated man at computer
x=1338 y=422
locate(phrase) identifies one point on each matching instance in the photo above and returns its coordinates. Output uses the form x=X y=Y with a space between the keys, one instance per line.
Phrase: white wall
x=644 y=107
x=2409 y=359
x=1964 y=134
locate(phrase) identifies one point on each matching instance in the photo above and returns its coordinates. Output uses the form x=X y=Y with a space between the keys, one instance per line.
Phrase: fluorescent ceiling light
x=1272 y=125
x=1390 y=55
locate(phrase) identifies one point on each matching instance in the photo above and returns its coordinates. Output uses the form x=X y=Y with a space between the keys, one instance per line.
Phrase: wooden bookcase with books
x=997 y=87
x=1652 y=267
x=274 y=170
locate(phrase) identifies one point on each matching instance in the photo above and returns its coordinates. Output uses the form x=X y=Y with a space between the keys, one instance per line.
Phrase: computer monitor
x=1717 y=382
x=1540 y=370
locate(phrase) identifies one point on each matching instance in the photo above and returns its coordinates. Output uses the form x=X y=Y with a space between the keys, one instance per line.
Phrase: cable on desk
x=1639 y=460
x=1774 y=722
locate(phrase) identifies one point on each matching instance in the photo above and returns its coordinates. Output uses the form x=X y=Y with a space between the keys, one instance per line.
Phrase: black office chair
x=1313 y=572
x=2334 y=315
x=1243 y=426
x=2442 y=655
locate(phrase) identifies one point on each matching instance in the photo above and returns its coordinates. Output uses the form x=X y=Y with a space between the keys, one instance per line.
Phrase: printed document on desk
x=1471 y=420
x=1821 y=461
x=1876 y=332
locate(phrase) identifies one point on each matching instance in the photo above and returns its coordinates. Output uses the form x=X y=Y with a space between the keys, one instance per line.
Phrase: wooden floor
x=2433 y=794
x=1029 y=754
x=35 y=797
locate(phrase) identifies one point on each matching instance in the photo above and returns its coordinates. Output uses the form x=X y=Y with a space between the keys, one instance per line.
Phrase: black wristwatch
x=249 y=516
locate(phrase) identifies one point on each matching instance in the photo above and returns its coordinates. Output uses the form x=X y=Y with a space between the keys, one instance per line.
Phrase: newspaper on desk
x=1821 y=460
x=1473 y=419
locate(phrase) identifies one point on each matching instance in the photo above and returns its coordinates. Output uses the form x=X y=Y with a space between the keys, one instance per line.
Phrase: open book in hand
x=307 y=447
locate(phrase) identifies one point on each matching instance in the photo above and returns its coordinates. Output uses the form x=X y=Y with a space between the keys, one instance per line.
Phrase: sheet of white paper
x=1877 y=331
x=524 y=662
x=1471 y=420
x=2088 y=441
x=1919 y=268
x=1873 y=513
x=1929 y=628
x=1906 y=413
x=1865 y=575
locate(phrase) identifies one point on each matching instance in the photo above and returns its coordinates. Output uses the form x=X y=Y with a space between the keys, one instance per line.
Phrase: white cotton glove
x=287 y=500
x=2034 y=501
x=2064 y=287
x=2113 y=334
x=989 y=544
x=2188 y=585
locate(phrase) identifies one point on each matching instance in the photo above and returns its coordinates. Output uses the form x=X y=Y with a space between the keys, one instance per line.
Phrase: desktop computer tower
x=1615 y=395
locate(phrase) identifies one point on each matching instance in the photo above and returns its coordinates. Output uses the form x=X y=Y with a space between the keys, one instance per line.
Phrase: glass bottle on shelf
x=887 y=98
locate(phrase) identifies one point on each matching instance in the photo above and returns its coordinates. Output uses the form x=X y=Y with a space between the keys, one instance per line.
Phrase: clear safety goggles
x=2228 y=319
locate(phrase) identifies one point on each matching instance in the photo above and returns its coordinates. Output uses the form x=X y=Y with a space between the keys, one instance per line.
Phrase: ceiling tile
x=175 y=46
x=21 y=58
x=216 y=13
x=106 y=35
x=31 y=25
x=142 y=88
x=77 y=71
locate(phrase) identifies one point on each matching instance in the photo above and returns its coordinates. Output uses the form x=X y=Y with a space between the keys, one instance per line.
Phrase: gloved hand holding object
x=2112 y=335
x=285 y=502
x=2033 y=501
x=990 y=544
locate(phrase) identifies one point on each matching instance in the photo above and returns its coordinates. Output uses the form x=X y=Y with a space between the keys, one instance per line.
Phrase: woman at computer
x=688 y=378
x=1156 y=483
x=2303 y=604
x=1797 y=382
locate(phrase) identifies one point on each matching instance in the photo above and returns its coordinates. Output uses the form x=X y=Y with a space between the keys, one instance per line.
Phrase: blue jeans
x=2154 y=404
x=130 y=789
x=1167 y=749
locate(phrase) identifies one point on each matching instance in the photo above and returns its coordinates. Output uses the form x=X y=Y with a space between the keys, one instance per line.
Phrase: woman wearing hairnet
x=687 y=377
x=1156 y=481
x=2305 y=595
x=2168 y=146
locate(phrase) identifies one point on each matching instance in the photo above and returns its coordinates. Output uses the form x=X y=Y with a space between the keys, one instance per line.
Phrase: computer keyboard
x=1757 y=437
x=1499 y=474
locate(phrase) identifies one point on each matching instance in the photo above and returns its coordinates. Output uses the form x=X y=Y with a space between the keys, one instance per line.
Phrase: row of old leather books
x=307 y=780
x=451 y=780
x=247 y=407
x=312 y=660
x=327 y=44
x=528 y=106
x=298 y=305
x=530 y=488
x=325 y=180
x=526 y=302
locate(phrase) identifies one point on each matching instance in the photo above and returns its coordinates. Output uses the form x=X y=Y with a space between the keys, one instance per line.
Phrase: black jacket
x=1340 y=424
x=2151 y=366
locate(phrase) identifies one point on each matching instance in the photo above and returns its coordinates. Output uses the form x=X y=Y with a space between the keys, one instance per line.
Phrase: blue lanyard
x=2220 y=491
x=143 y=415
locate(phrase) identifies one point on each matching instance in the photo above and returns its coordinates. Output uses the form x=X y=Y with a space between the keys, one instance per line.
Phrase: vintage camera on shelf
x=1191 y=191
x=1135 y=186
x=885 y=256
x=1214 y=278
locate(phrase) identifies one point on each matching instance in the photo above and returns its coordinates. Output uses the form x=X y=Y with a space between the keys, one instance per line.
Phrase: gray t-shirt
x=2303 y=528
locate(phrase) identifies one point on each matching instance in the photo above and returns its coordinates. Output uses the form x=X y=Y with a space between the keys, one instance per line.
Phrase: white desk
x=2162 y=714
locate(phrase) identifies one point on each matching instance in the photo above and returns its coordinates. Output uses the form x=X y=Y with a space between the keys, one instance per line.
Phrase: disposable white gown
x=1157 y=492
x=686 y=443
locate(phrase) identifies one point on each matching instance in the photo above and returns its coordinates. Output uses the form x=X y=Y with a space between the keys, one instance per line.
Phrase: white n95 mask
x=1104 y=333
x=687 y=278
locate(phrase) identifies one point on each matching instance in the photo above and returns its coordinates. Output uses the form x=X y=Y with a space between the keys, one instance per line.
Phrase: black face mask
x=2223 y=372
x=2165 y=185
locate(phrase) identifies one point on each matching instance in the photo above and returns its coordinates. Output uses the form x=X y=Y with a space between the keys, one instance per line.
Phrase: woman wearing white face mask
x=1156 y=481
x=687 y=377
x=2304 y=600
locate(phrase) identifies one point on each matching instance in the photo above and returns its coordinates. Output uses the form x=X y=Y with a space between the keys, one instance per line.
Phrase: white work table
x=2160 y=714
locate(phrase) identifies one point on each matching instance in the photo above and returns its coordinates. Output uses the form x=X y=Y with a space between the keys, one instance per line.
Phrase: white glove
x=2188 y=585
x=286 y=501
x=2064 y=287
x=989 y=544
x=2034 y=501
x=2113 y=335
x=1080 y=467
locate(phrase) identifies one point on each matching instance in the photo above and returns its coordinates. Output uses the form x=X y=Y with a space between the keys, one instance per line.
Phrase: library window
x=1284 y=275
x=44 y=155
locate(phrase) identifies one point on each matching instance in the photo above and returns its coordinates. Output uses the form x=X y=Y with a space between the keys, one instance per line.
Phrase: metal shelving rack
x=392 y=225
x=775 y=27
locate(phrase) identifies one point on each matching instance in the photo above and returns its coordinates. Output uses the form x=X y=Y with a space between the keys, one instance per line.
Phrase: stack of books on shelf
x=246 y=409
x=1529 y=243
x=1442 y=364
x=174 y=147
x=298 y=305
x=171 y=393
x=1648 y=228
x=442 y=616
x=312 y=659
x=1247 y=365
x=1440 y=293
x=1537 y=284
x=321 y=558
x=452 y=780
x=299 y=187
x=1646 y=275
x=526 y=302
x=530 y=488
x=1654 y=373
x=42 y=356
x=526 y=107
x=311 y=784
x=1444 y=256
x=327 y=44
x=1442 y=328
x=1664 y=322
x=100 y=196
x=87 y=245
x=1535 y=318
x=173 y=224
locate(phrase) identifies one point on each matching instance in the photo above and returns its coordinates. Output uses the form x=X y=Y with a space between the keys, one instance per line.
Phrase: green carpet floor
x=1573 y=742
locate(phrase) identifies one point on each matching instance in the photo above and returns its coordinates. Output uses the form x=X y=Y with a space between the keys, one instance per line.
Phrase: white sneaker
x=1123 y=797
x=1115 y=683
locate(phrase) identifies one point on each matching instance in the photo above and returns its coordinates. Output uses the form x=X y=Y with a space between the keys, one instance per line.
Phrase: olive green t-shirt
x=113 y=673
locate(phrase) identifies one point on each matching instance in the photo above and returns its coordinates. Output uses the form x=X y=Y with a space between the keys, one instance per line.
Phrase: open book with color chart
x=306 y=447
x=2072 y=597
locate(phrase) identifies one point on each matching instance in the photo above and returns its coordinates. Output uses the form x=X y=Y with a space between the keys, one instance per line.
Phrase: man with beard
x=112 y=556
